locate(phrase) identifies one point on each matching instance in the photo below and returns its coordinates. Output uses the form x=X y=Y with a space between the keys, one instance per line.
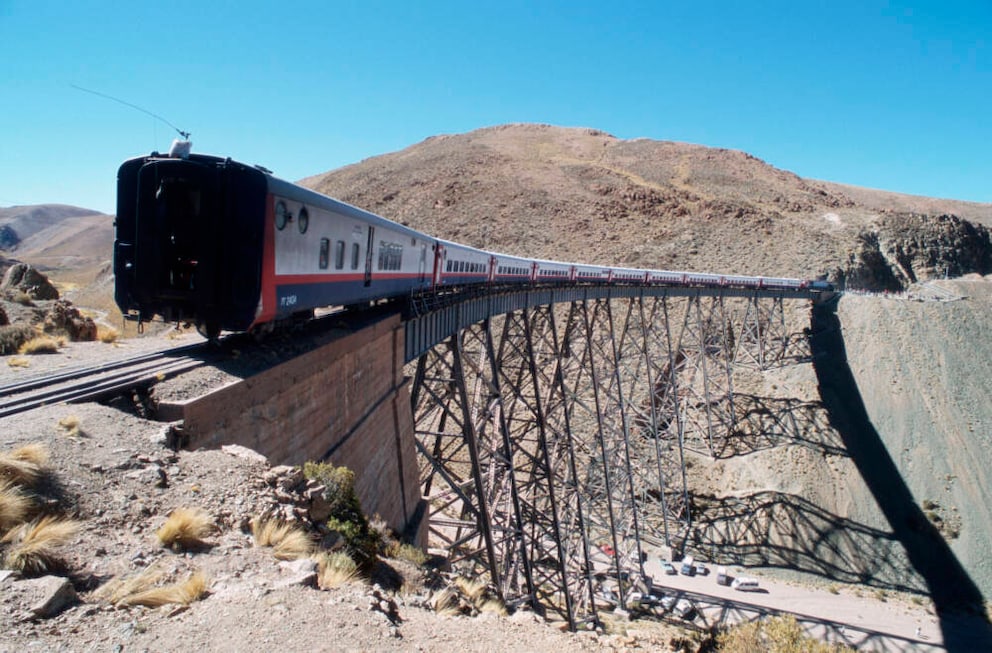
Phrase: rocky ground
x=110 y=469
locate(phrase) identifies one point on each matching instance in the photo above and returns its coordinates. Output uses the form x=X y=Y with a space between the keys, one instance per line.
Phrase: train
x=228 y=246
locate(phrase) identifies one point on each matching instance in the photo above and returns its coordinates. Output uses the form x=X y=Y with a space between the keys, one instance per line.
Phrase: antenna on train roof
x=179 y=149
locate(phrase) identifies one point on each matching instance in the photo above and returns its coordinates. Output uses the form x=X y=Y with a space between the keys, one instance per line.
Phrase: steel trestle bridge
x=553 y=425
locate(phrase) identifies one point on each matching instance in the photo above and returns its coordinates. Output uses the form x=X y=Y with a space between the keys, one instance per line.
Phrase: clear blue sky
x=891 y=95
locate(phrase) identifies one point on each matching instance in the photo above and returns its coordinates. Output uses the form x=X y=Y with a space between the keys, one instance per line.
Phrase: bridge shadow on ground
x=775 y=529
x=950 y=587
x=769 y=422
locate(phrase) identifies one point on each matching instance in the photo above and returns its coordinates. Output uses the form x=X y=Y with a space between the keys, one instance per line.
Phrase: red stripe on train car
x=267 y=310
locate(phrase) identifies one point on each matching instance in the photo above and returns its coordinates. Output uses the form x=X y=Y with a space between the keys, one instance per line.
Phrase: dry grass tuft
x=25 y=465
x=117 y=589
x=288 y=542
x=71 y=424
x=494 y=606
x=409 y=552
x=335 y=569
x=39 y=345
x=35 y=453
x=185 y=592
x=446 y=602
x=34 y=546
x=17 y=361
x=14 y=506
x=185 y=529
x=107 y=335
x=778 y=634
x=141 y=590
x=472 y=589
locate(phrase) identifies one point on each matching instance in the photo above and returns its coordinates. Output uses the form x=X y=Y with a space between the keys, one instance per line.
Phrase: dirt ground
x=116 y=476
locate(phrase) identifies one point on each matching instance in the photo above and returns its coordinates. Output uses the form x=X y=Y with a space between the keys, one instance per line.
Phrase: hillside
x=18 y=223
x=584 y=195
x=73 y=243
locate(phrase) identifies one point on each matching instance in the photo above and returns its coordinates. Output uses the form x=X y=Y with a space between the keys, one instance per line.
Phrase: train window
x=448 y=267
x=325 y=252
x=339 y=255
x=390 y=256
x=303 y=220
x=354 y=256
x=282 y=215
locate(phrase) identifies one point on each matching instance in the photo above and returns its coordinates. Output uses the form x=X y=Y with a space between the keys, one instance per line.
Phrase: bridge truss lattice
x=553 y=437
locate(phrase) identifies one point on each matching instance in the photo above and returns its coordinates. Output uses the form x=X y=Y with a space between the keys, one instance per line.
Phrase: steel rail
x=80 y=372
x=97 y=381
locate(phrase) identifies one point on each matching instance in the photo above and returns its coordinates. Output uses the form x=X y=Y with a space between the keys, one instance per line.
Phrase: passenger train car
x=228 y=246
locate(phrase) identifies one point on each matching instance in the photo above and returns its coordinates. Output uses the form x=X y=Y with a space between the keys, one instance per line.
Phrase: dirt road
x=867 y=623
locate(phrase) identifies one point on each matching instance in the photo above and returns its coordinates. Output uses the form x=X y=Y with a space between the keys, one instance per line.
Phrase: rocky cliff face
x=904 y=249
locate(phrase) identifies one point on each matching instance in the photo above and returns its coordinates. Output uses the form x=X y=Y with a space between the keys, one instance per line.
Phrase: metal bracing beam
x=549 y=354
x=705 y=370
x=629 y=395
x=763 y=339
x=513 y=523
x=543 y=537
x=553 y=437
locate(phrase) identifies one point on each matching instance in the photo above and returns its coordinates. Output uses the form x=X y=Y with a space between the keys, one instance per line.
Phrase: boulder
x=24 y=278
x=44 y=597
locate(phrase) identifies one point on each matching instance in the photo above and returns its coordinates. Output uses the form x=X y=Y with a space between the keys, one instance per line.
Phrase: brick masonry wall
x=346 y=401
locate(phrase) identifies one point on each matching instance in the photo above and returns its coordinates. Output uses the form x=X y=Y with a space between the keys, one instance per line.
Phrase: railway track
x=98 y=381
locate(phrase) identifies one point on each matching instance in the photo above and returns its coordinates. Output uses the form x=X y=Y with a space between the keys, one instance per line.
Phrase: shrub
x=17 y=361
x=346 y=518
x=185 y=529
x=12 y=336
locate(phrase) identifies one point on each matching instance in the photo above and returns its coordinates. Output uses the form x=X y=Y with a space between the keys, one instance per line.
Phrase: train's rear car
x=188 y=245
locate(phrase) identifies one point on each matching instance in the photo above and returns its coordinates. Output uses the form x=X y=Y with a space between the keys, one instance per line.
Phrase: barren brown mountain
x=583 y=195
